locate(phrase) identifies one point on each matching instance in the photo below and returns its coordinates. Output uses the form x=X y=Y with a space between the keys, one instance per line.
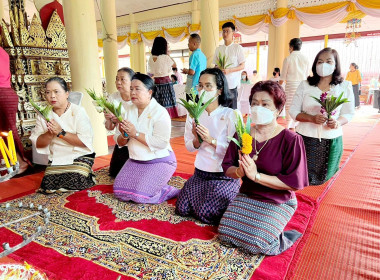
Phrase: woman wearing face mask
x=67 y=138
x=146 y=130
x=244 y=78
x=208 y=192
x=322 y=136
x=123 y=85
x=256 y=218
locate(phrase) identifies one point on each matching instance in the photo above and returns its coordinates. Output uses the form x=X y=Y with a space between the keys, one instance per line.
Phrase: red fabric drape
x=47 y=10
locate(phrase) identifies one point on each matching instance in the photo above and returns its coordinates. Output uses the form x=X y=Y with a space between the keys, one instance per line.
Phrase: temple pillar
x=82 y=44
x=1 y=10
x=195 y=12
x=110 y=49
x=138 y=60
x=210 y=28
x=258 y=58
x=278 y=40
x=326 y=40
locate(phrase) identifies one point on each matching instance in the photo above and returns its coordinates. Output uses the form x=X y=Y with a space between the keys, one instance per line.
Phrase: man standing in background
x=294 y=70
x=235 y=57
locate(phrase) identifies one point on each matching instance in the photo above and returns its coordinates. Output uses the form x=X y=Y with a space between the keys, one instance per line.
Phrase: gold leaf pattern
x=56 y=32
x=37 y=36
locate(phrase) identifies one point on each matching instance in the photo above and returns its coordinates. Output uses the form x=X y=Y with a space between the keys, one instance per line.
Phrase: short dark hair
x=60 y=81
x=296 y=44
x=174 y=68
x=145 y=79
x=355 y=65
x=221 y=83
x=174 y=77
x=273 y=89
x=254 y=72
x=277 y=70
x=127 y=70
x=160 y=46
x=229 y=24
x=196 y=37
x=336 y=76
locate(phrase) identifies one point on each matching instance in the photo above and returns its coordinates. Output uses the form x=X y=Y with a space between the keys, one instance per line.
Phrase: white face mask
x=325 y=69
x=243 y=77
x=208 y=95
x=261 y=115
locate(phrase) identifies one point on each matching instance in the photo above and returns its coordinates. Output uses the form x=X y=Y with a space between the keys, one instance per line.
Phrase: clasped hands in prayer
x=53 y=127
x=321 y=119
x=128 y=128
x=247 y=167
x=203 y=133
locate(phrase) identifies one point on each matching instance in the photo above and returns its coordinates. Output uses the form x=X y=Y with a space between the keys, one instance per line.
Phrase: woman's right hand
x=108 y=116
x=123 y=126
x=319 y=119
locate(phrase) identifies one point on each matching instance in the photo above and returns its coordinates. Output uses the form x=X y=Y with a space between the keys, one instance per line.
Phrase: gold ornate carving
x=37 y=36
x=56 y=32
x=42 y=67
x=15 y=36
x=7 y=40
x=19 y=66
x=24 y=34
x=61 y=68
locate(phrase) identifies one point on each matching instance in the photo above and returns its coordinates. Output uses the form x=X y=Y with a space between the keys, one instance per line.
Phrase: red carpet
x=94 y=231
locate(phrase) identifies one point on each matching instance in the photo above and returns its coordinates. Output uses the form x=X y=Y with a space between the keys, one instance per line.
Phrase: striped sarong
x=290 y=90
x=165 y=95
x=257 y=226
x=76 y=176
x=323 y=158
x=206 y=196
x=146 y=181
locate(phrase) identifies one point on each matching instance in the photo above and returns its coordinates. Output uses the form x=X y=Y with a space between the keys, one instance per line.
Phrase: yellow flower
x=246 y=143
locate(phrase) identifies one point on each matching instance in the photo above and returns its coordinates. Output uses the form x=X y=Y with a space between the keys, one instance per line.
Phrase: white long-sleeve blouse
x=304 y=103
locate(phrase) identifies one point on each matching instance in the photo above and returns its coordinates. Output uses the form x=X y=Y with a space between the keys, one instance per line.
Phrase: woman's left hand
x=249 y=166
x=53 y=127
x=332 y=123
x=204 y=133
x=129 y=128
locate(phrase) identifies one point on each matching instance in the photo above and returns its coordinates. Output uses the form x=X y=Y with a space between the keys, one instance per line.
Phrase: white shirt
x=162 y=67
x=74 y=120
x=220 y=124
x=295 y=67
x=235 y=56
x=155 y=123
x=302 y=102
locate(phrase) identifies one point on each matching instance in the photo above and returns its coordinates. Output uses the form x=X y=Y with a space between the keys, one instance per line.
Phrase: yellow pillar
x=138 y=60
x=1 y=10
x=258 y=57
x=195 y=12
x=111 y=60
x=278 y=40
x=82 y=44
x=210 y=28
x=326 y=40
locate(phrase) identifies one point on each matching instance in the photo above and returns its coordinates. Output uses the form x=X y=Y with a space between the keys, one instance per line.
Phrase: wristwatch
x=137 y=134
x=213 y=141
x=257 y=177
x=61 y=134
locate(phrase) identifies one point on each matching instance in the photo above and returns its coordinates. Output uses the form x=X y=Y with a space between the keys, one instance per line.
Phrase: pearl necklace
x=256 y=156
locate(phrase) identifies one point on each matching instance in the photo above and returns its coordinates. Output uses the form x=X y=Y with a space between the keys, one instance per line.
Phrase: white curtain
x=172 y=39
x=322 y=20
x=368 y=11
x=251 y=29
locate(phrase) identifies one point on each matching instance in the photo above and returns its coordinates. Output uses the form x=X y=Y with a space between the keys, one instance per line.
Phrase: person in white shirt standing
x=294 y=70
x=235 y=57
x=208 y=192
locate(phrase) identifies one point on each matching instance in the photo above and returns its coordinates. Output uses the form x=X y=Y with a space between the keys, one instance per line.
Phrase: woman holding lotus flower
x=66 y=136
x=123 y=84
x=322 y=130
x=146 y=131
x=208 y=192
x=271 y=172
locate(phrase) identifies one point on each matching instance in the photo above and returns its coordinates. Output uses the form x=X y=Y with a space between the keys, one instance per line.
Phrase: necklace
x=256 y=156
x=67 y=107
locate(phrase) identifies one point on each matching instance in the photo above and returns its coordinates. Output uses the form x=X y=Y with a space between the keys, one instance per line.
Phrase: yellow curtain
x=177 y=31
x=322 y=9
x=354 y=14
x=153 y=34
x=280 y=12
x=373 y=4
x=252 y=20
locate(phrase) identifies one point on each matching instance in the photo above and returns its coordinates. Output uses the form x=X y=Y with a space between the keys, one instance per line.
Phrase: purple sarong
x=146 y=181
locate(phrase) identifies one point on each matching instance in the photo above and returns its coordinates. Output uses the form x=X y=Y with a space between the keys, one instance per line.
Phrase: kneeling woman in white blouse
x=146 y=130
x=67 y=139
x=208 y=192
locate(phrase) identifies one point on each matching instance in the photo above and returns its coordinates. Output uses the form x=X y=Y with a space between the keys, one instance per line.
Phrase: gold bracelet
x=236 y=173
